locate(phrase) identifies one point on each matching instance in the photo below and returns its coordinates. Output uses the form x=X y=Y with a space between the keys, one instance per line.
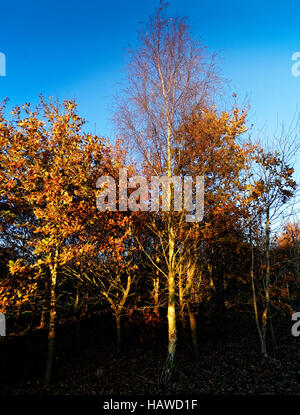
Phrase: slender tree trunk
x=156 y=295
x=211 y=281
x=172 y=331
x=254 y=299
x=118 y=327
x=192 y=318
x=51 y=333
x=255 y=309
x=193 y=328
x=272 y=329
x=76 y=313
x=118 y=311
x=44 y=309
x=181 y=300
x=267 y=291
x=42 y=320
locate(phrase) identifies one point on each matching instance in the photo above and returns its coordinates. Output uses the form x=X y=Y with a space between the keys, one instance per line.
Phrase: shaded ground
x=229 y=361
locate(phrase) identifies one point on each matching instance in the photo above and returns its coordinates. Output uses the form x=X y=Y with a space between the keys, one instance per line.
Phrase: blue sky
x=75 y=49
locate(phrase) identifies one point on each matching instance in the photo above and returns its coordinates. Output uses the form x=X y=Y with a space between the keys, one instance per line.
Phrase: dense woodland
x=152 y=301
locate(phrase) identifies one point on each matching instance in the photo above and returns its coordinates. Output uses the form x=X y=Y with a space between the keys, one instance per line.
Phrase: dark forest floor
x=229 y=361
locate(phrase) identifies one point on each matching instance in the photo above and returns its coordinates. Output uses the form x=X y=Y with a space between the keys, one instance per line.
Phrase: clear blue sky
x=76 y=49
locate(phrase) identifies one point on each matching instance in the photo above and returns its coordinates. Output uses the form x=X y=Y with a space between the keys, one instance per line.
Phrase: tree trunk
x=156 y=295
x=255 y=309
x=210 y=272
x=172 y=332
x=42 y=321
x=181 y=301
x=192 y=318
x=267 y=293
x=193 y=327
x=118 y=328
x=77 y=316
x=51 y=333
x=118 y=311
x=272 y=329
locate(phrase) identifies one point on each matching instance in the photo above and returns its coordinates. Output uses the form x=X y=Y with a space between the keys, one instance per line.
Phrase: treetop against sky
x=77 y=50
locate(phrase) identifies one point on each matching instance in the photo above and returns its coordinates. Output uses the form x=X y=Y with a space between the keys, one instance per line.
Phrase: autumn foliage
x=61 y=259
